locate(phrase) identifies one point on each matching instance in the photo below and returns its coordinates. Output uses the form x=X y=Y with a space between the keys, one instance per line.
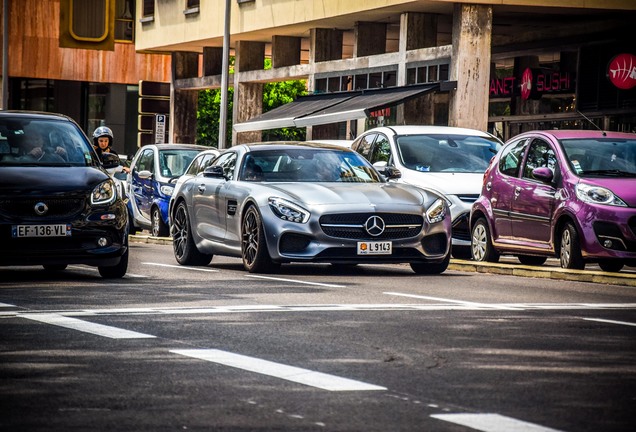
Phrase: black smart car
x=58 y=204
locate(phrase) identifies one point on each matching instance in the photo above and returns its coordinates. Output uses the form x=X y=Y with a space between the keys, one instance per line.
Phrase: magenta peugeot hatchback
x=564 y=193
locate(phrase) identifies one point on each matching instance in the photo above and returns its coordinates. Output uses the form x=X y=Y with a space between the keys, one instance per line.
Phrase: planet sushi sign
x=621 y=71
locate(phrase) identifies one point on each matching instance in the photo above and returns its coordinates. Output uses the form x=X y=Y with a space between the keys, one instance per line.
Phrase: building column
x=248 y=97
x=184 y=103
x=285 y=51
x=417 y=30
x=212 y=61
x=324 y=45
x=470 y=66
x=370 y=39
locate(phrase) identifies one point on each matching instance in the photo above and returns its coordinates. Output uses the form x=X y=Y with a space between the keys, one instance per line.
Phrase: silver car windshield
x=601 y=157
x=29 y=142
x=307 y=165
x=446 y=153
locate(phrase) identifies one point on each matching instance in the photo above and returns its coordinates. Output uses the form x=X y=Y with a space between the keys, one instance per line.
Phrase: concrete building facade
x=504 y=66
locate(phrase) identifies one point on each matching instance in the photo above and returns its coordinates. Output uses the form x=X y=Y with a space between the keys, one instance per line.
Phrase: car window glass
x=381 y=150
x=173 y=162
x=228 y=162
x=57 y=143
x=194 y=166
x=364 y=145
x=594 y=156
x=206 y=162
x=146 y=161
x=540 y=154
x=510 y=160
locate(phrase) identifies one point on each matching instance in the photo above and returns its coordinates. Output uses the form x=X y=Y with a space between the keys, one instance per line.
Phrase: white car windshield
x=307 y=165
x=446 y=153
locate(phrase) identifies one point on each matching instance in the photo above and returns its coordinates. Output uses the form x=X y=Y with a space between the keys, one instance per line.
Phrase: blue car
x=153 y=174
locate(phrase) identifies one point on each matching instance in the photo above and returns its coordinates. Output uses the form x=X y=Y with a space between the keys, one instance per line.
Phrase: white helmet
x=103 y=131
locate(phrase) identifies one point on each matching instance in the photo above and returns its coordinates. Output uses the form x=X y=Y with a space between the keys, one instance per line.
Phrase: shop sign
x=621 y=71
x=534 y=83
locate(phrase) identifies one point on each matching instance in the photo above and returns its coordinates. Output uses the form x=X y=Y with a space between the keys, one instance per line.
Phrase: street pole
x=224 y=77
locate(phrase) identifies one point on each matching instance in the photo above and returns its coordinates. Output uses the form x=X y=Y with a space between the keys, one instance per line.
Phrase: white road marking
x=492 y=423
x=611 y=321
x=467 y=303
x=6 y=305
x=289 y=373
x=85 y=326
x=297 y=281
x=203 y=269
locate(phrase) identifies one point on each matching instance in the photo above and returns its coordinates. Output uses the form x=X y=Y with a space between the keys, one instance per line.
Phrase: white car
x=450 y=161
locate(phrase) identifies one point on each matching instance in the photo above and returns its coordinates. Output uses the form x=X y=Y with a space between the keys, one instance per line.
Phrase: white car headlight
x=104 y=193
x=167 y=190
x=597 y=195
x=436 y=212
x=288 y=211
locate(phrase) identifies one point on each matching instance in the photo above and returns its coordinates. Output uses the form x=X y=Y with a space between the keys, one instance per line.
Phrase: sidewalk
x=506 y=266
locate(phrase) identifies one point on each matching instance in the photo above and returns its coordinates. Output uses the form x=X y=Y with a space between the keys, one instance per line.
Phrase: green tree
x=274 y=95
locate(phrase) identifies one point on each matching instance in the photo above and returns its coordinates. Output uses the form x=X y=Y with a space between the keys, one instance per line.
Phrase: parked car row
x=403 y=194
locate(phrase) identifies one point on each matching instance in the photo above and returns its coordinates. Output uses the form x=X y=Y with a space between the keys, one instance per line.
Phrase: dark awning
x=284 y=115
x=332 y=107
x=360 y=106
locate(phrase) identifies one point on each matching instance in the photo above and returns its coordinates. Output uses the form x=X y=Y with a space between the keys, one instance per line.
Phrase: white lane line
x=611 y=321
x=492 y=423
x=289 y=373
x=203 y=269
x=467 y=303
x=297 y=281
x=85 y=326
x=6 y=305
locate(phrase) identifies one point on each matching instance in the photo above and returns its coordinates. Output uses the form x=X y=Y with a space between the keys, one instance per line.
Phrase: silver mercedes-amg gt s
x=273 y=203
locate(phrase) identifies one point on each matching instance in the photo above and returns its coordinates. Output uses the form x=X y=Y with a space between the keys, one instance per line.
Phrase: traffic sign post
x=160 y=128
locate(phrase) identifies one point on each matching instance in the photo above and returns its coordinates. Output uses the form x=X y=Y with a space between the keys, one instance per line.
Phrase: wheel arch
x=563 y=219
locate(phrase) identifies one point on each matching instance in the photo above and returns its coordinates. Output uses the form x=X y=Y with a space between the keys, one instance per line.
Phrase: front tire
x=481 y=246
x=613 y=266
x=570 y=251
x=158 y=227
x=185 y=251
x=117 y=271
x=256 y=259
x=431 y=268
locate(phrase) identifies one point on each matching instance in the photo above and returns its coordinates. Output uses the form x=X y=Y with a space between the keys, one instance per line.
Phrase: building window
x=192 y=7
x=148 y=10
x=124 y=21
x=88 y=20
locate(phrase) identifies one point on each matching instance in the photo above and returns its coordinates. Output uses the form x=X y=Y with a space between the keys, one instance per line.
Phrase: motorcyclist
x=103 y=143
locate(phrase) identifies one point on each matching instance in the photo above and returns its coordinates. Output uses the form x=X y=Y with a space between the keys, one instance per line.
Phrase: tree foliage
x=274 y=95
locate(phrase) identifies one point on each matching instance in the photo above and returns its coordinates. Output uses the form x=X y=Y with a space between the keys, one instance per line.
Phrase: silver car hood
x=352 y=193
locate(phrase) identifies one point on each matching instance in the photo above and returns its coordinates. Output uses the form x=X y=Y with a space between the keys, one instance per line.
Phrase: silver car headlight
x=167 y=190
x=288 y=211
x=597 y=195
x=437 y=211
x=104 y=193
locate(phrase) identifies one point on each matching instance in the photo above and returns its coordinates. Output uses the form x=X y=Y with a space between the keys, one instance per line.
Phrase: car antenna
x=593 y=124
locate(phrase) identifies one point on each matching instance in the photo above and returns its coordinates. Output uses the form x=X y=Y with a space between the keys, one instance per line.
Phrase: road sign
x=160 y=128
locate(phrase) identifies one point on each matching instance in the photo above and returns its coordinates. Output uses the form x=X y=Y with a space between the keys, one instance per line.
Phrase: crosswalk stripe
x=85 y=326
x=278 y=370
x=492 y=423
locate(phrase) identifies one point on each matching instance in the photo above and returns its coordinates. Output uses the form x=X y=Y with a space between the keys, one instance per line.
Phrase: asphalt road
x=377 y=348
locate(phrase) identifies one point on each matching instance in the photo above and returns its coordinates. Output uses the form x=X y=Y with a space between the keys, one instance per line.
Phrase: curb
x=556 y=273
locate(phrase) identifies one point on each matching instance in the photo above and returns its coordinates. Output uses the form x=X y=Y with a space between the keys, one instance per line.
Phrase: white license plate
x=375 y=248
x=53 y=230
